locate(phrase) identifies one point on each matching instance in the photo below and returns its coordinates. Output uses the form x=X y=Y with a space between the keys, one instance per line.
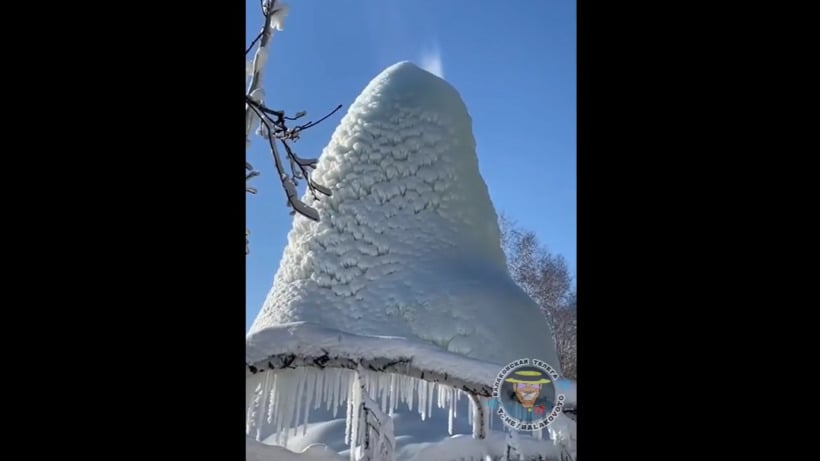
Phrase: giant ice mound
x=408 y=245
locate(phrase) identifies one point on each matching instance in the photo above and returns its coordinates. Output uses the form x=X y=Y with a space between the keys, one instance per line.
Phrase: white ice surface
x=408 y=245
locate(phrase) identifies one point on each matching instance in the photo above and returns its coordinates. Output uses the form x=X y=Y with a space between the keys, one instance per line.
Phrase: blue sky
x=512 y=62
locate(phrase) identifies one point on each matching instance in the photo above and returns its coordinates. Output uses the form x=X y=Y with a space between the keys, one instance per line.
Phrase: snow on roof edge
x=307 y=344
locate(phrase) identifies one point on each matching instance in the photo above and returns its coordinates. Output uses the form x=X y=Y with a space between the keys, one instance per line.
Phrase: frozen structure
x=400 y=295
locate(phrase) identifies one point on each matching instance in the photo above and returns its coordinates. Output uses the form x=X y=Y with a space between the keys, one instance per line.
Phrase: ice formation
x=403 y=274
x=408 y=245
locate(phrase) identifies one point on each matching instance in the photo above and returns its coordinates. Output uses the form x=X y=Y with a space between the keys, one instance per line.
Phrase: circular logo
x=526 y=395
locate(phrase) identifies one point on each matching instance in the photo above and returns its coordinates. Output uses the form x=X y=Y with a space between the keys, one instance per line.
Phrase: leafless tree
x=272 y=124
x=546 y=279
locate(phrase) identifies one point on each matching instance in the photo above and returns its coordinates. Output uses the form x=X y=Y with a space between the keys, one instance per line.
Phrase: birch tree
x=546 y=279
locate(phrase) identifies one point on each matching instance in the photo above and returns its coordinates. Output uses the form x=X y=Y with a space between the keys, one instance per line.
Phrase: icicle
x=311 y=385
x=373 y=385
x=414 y=383
x=394 y=388
x=300 y=382
x=259 y=406
x=326 y=384
x=280 y=405
x=408 y=391
x=262 y=406
x=487 y=413
x=326 y=378
x=347 y=382
x=274 y=396
x=284 y=384
x=319 y=388
x=385 y=390
x=450 y=414
x=422 y=406
x=277 y=398
x=327 y=393
x=490 y=417
x=430 y=389
x=469 y=412
x=349 y=420
x=411 y=393
x=457 y=397
x=284 y=433
x=442 y=393
x=337 y=390
x=253 y=406
x=248 y=419
x=354 y=414
x=361 y=427
x=385 y=384
x=401 y=384
x=423 y=400
x=283 y=416
x=277 y=415
x=474 y=411
x=293 y=403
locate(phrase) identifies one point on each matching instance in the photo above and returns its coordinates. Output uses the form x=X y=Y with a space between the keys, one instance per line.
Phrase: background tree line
x=545 y=277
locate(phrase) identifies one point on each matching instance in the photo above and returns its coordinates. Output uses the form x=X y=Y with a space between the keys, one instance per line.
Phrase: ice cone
x=409 y=243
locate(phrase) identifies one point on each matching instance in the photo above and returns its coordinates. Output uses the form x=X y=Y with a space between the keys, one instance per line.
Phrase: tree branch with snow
x=272 y=124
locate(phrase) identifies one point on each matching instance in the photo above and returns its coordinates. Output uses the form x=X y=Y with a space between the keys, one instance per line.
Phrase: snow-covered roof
x=300 y=344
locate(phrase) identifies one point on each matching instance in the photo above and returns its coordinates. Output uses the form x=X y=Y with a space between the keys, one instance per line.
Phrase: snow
x=255 y=451
x=277 y=21
x=255 y=91
x=408 y=245
x=465 y=447
x=257 y=95
x=425 y=441
x=310 y=340
x=563 y=432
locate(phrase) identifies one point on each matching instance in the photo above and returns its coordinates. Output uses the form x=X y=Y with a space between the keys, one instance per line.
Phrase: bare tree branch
x=272 y=123
x=254 y=43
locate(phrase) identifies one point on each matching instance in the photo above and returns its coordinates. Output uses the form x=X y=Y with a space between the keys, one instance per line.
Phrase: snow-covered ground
x=426 y=440
x=257 y=451
x=399 y=296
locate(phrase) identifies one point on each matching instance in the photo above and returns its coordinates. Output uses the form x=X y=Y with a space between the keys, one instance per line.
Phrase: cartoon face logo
x=525 y=395
x=527 y=386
